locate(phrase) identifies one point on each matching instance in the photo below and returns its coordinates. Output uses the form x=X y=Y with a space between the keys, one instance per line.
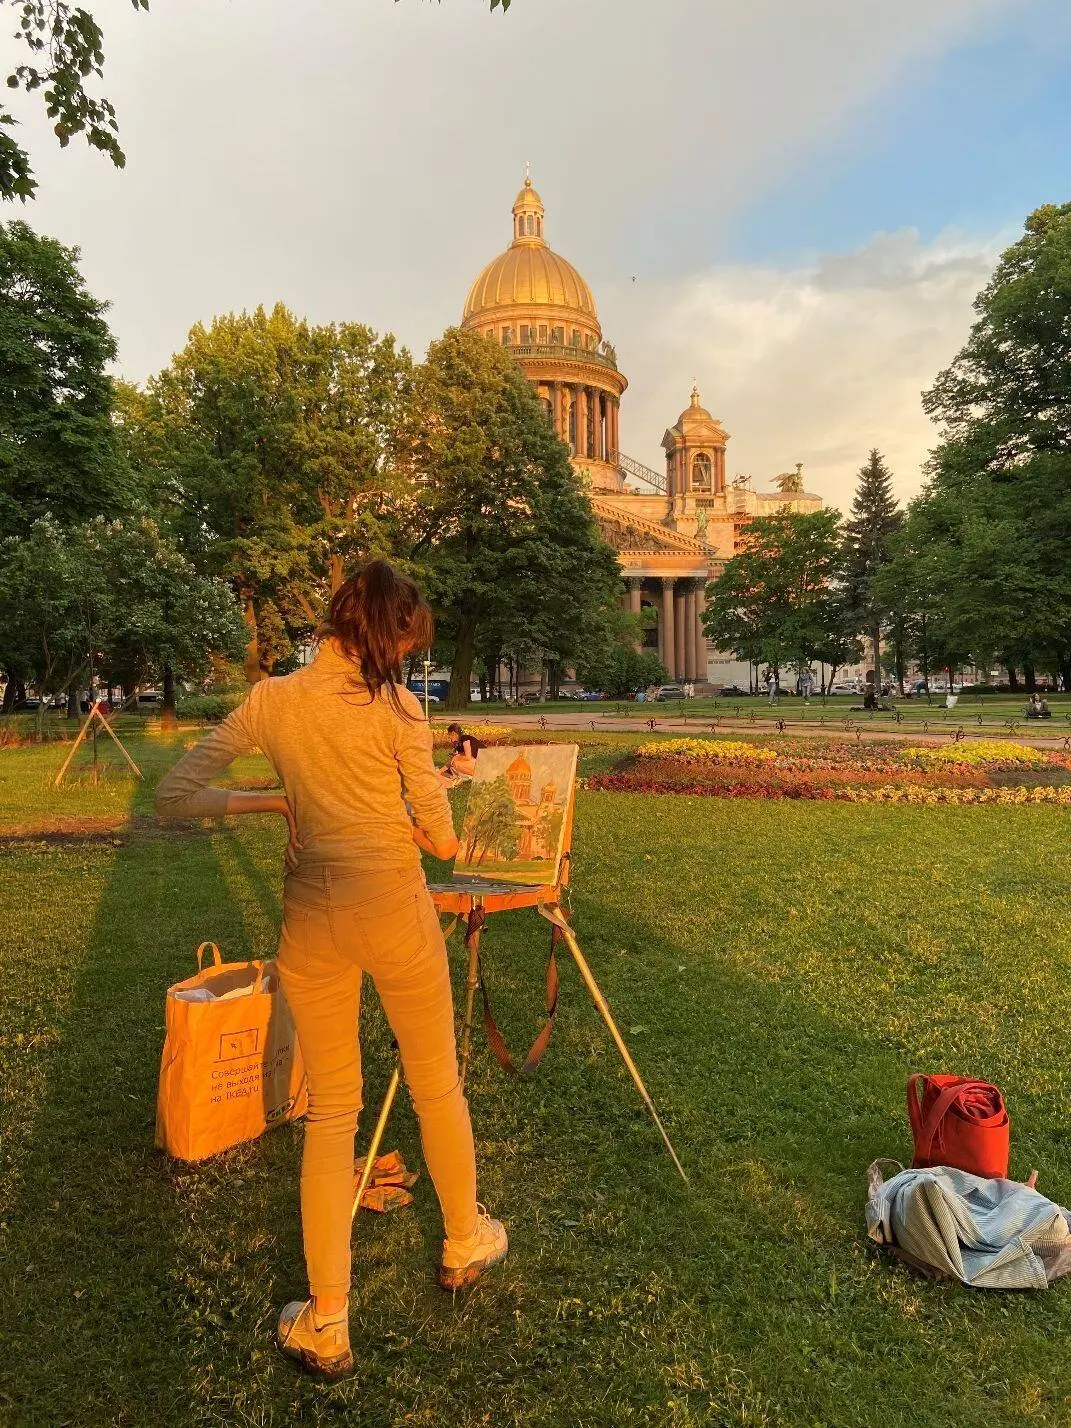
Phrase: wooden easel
x=475 y=905
x=94 y=714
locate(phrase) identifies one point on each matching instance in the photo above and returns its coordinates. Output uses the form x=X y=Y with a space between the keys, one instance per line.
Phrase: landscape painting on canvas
x=515 y=817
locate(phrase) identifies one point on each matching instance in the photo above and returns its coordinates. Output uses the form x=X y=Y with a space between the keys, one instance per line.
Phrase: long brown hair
x=377 y=616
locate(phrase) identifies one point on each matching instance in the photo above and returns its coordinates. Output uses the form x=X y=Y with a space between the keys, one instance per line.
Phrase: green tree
x=500 y=527
x=165 y=620
x=111 y=599
x=265 y=443
x=54 y=604
x=778 y=599
x=58 y=452
x=998 y=494
x=621 y=670
x=868 y=536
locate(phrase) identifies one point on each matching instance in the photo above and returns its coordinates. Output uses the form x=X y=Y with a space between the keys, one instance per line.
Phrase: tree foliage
x=501 y=528
x=110 y=599
x=58 y=452
x=995 y=514
x=779 y=599
x=266 y=440
x=66 y=48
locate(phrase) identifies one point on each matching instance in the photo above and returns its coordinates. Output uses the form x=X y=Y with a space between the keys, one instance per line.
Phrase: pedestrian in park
x=350 y=745
x=462 y=762
x=806 y=683
x=771 y=685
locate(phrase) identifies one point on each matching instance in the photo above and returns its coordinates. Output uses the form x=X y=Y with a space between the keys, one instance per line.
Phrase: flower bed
x=970 y=771
x=704 y=751
x=486 y=733
x=978 y=753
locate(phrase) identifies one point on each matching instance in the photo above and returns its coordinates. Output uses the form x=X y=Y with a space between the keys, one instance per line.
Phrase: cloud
x=359 y=160
x=815 y=363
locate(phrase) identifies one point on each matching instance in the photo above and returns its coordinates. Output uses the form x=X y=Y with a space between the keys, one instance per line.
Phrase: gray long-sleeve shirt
x=348 y=765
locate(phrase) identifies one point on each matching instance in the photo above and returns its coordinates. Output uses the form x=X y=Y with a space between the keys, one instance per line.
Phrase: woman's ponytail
x=377 y=617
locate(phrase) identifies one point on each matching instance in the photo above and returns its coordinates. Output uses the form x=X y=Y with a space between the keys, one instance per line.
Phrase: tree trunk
x=251 y=665
x=73 y=710
x=1065 y=673
x=1013 y=679
x=169 y=714
x=461 y=668
x=1031 y=679
x=875 y=640
x=543 y=682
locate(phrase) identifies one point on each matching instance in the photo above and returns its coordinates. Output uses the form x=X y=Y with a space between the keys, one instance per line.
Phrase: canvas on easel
x=515 y=818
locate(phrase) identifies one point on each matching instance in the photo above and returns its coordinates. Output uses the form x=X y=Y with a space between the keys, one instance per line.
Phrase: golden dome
x=694 y=413
x=529 y=273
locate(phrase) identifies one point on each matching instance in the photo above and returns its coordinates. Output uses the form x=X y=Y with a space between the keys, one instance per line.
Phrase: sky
x=792 y=203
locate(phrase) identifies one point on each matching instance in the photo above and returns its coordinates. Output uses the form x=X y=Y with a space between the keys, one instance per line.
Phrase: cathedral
x=672 y=531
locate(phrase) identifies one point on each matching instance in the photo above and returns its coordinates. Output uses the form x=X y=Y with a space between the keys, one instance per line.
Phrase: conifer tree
x=868 y=535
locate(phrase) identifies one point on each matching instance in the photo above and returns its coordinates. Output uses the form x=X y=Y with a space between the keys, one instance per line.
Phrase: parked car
x=149 y=698
x=843 y=689
x=732 y=691
x=670 y=691
x=29 y=705
x=588 y=695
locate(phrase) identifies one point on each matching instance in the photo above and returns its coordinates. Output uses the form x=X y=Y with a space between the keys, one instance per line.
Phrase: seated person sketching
x=462 y=762
x=1038 y=708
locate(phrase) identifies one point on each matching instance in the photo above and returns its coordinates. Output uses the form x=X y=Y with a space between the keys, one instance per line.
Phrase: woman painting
x=351 y=748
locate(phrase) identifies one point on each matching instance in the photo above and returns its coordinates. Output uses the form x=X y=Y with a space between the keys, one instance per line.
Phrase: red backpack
x=959 y=1122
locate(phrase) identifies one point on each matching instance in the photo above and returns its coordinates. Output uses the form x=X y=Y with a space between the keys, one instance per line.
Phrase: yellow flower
x=976 y=753
x=694 y=751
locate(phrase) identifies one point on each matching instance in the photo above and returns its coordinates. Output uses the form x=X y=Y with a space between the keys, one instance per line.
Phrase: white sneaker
x=465 y=1260
x=321 y=1349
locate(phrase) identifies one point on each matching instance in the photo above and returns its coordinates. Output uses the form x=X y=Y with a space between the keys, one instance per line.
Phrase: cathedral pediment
x=633 y=535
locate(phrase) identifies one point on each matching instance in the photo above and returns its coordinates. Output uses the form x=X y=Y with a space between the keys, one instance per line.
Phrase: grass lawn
x=777 y=968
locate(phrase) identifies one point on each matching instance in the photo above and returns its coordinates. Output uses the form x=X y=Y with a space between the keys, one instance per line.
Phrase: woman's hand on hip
x=242 y=802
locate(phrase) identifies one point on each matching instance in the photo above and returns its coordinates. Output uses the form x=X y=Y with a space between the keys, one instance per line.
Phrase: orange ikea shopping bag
x=231 y=1066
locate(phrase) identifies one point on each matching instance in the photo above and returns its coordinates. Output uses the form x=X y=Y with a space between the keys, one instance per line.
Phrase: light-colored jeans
x=338 y=924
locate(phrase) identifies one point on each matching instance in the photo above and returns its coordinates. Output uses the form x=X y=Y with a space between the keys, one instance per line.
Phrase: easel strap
x=497 y=1042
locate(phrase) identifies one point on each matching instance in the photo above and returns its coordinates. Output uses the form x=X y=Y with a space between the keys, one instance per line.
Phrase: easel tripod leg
x=376 y=1141
x=473 y=930
x=555 y=915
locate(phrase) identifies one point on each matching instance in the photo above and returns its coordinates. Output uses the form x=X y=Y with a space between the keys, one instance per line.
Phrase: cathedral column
x=615 y=408
x=688 y=633
x=582 y=422
x=666 y=647
x=702 y=667
x=635 y=588
x=678 y=628
x=600 y=426
x=557 y=389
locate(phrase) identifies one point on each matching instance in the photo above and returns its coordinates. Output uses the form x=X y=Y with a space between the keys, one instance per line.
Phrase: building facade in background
x=672 y=530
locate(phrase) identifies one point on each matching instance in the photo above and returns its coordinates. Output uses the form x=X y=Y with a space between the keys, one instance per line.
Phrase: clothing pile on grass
x=948 y=1220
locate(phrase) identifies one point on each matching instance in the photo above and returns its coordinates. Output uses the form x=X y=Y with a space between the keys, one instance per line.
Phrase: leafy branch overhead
x=67 y=48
